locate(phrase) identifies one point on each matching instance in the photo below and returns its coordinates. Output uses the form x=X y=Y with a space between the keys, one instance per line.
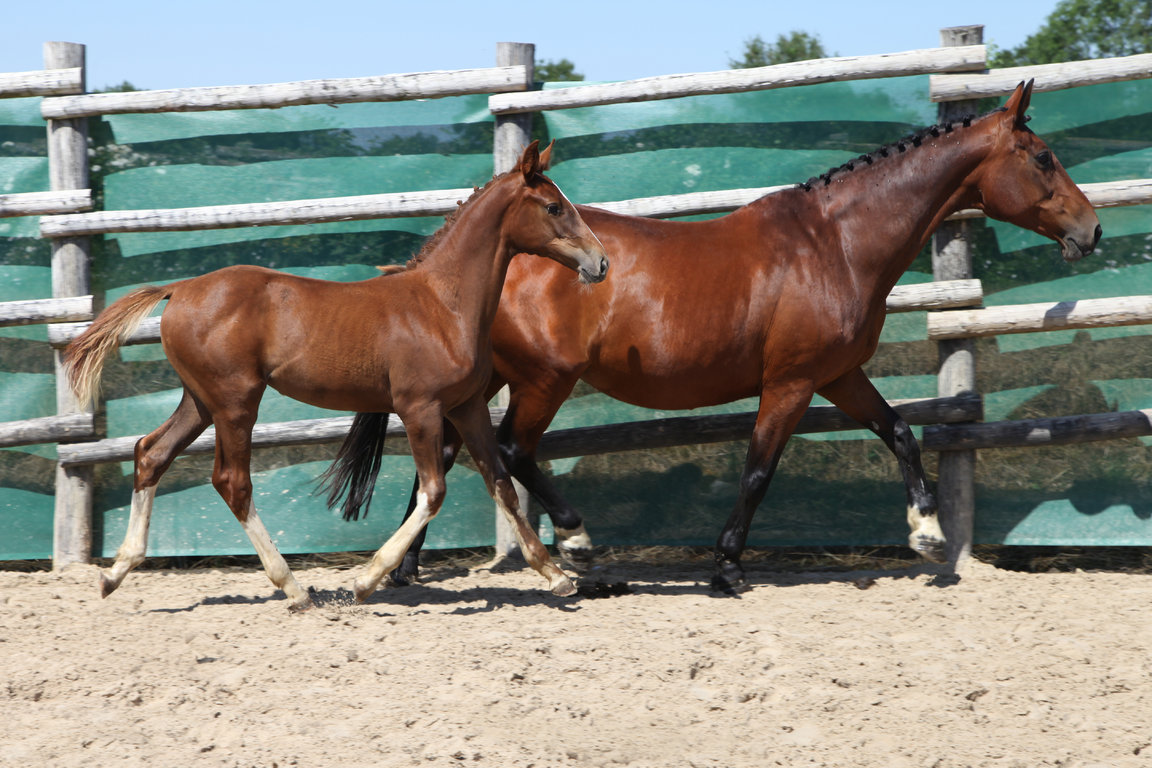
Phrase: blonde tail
x=84 y=357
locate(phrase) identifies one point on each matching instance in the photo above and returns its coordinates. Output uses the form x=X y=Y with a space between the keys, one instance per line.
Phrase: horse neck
x=470 y=261
x=886 y=211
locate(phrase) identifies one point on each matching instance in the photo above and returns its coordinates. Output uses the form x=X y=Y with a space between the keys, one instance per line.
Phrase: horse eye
x=1045 y=159
x=553 y=209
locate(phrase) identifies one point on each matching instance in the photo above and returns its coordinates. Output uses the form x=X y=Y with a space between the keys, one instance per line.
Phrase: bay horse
x=415 y=343
x=781 y=299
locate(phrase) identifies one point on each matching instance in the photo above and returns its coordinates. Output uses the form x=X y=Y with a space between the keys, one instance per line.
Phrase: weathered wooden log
x=43 y=82
x=389 y=205
x=698 y=430
x=903 y=298
x=941 y=294
x=442 y=202
x=1104 y=194
x=920 y=62
x=35 y=311
x=39 y=203
x=414 y=85
x=1030 y=318
x=1049 y=77
x=47 y=429
x=1064 y=430
x=582 y=441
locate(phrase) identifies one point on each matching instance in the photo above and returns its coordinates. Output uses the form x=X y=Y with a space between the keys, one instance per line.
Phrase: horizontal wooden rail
x=47 y=429
x=40 y=203
x=1104 y=194
x=1064 y=430
x=919 y=62
x=414 y=85
x=582 y=441
x=43 y=82
x=698 y=430
x=441 y=202
x=1048 y=316
x=943 y=294
x=1049 y=77
x=390 y=205
x=34 y=311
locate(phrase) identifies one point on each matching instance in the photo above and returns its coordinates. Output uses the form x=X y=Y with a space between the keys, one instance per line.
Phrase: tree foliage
x=1085 y=29
x=562 y=70
x=795 y=46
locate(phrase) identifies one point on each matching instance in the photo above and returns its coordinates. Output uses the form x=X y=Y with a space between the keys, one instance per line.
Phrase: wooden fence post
x=513 y=132
x=952 y=260
x=68 y=169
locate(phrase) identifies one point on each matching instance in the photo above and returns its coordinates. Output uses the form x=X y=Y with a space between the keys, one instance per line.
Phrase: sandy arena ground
x=473 y=667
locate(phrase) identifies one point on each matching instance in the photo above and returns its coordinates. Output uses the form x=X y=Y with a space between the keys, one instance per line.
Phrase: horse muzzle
x=1074 y=249
x=596 y=274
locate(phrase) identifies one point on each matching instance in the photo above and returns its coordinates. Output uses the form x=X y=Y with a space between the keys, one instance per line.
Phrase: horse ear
x=530 y=160
x=1017 y=105
x=546 y=156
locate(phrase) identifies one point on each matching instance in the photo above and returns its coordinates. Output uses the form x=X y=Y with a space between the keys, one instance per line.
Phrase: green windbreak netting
x=27 y=378
x=829 y=489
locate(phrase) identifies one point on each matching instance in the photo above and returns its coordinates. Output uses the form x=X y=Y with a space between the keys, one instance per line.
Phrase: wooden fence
x=958 y=70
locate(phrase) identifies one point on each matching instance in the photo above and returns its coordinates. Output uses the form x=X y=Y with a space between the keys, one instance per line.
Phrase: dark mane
x=449 y=221
x=897 y=147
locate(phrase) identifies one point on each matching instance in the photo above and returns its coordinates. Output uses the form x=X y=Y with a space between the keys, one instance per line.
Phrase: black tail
x=352 y=476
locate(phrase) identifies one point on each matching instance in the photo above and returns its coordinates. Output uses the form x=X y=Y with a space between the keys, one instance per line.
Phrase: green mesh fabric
x=830 y=489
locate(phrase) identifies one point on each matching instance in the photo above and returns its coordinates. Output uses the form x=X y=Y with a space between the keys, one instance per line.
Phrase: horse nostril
x=1099 y=233
x=604 y=265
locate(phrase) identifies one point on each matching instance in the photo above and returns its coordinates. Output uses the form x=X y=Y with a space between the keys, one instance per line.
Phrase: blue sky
x=163 y=44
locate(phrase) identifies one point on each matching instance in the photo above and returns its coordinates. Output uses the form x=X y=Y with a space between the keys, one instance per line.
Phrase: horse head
x=545 y=222
x=1023 y=183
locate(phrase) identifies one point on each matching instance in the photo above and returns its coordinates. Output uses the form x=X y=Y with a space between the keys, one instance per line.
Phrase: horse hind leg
x=472 y=420
x=153 y=455
x=532 y=408
x=232 y=479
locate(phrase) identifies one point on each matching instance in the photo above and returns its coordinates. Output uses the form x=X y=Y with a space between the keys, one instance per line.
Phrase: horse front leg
x=854 y=394
x=473 y=422
x=781 y=407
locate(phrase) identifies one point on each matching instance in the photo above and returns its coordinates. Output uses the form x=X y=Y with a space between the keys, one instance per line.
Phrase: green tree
x=1085 y=29
x=795 y=46
x=557 y=71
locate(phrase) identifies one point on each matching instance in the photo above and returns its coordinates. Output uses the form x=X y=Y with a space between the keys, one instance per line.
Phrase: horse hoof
x=107 y=586
x=362 y=591
x=399 y=579
x=729 y=578
x=302 y=606
x=931 y=549
x=563 y=587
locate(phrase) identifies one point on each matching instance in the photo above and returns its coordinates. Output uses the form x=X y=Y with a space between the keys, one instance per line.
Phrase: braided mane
x=897 y=147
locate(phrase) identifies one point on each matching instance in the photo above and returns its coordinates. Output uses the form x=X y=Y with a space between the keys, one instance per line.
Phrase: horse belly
x=687 y=381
